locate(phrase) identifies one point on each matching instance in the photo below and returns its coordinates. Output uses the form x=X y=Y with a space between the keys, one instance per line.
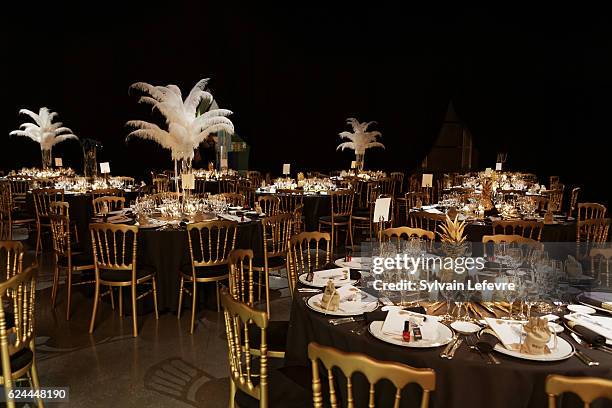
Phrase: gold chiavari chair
x=63 y=208
x=276 y=232
x=552 y=182
x=11 y=254
x=255 y=177
x=588 y=389
x=573 y=205
x=525 y=228
x=398 y=232
x=292 y=202
x=103 y=205
x=233 y=199
x=366 y=221
x=386 y=186
x=414 y=183
x=7 y=218
x=341 y=215
x=227 y=185
x=210 y=244
x=604 y=269
x=161 y=184
x=66 y=259
x=426 y=221
x=400 y=375
x=106 y=192
x=247 y=189
x=269 y=204
x=555 y=199
x=242 y=288
x=589 y=211
x=252 y=382
x=411 y=199
x=19 y=189
x=541 y=203
x=592 y=231
x=398 y=177
x=304 y=255
x=517 y=240
x=18 y=347
x=114 y=255
x=43 y=197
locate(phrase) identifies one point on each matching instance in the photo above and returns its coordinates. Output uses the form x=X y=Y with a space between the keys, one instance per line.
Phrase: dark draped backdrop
x=536 y=84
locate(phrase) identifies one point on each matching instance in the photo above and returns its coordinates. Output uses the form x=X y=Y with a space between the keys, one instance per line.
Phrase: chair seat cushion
x=274 y=262
x=340 y=219
x=288 y=387
x=79 y=259
x=206 y=271
x=276 y=335
x=126 y=276
x=21 y=359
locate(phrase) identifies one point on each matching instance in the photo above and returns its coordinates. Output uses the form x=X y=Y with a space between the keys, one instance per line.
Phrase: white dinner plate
x=581 y=309
x=152 y=224
x=465 y=327
x=444 y=336
x=563 y=351
x=337 y=283
x=369 y=304
x=356 y=262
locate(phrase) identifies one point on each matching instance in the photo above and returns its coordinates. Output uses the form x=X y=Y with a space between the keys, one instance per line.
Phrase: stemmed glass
x=511 y=293
x=448 y=294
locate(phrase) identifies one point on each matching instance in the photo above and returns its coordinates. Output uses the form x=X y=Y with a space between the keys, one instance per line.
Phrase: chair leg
x=350 y=232
x=134 y=314
x=333 y=241
x=35 y=381
x=112 y=297
x=193 y=305
x=232 y=404
x=218 y=297
x=120 y=301
x=55 y=285
x=155 y=298
x=69 y=292
x=95 y=308
x=38 y=239
x=180 y=302
x=259 y=277
x=267 y=282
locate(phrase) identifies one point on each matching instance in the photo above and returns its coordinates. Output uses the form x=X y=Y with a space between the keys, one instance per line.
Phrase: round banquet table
x=465 y=381
x=168 y=250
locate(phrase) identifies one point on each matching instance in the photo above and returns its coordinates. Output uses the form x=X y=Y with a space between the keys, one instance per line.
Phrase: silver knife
x=586 y=359
x=343 y=320
x=444 y=352
x=454 y=349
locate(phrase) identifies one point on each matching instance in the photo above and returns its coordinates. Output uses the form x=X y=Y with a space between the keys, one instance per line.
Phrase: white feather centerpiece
x=360 y=140
x=185 y=130
x=44 y=131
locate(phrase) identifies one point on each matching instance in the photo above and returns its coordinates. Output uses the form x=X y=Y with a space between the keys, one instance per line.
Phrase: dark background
x=535 y=83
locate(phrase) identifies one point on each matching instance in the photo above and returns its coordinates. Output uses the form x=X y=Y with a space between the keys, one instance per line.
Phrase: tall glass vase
x=359 y=159
x=90 y=162
x=186 y=178
x=46 y=158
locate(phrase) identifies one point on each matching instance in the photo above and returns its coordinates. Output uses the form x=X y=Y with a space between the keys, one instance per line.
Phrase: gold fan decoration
x=452 y=231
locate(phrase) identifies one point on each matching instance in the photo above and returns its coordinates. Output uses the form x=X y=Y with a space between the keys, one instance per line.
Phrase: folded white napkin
x=337 y=275
x=230 y=217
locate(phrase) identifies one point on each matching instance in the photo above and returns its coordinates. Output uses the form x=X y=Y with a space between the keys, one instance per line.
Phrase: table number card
x=427 y=180
x=498 y=166
x=58 y=162
x=381 y=209
x=105 y=168
x=353 y=164
x=188 y=181
x=286 y=168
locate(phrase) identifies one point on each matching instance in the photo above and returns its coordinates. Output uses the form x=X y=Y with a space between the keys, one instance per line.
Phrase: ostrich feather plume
x=43 y=130
x=360 y=138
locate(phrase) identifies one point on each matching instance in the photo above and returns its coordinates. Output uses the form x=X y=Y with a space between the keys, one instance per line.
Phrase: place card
x=286 y=168
x=105 y=168
x=427 y=180
x=353 y=164
x=338 y=275
x=188 y=181
x=498 y=166
x=381 y=209
x=58 y=162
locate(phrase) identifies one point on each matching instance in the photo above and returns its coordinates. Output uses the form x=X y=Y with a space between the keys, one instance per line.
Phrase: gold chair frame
x=341 y=206
x=113 y=203
x=588 y=389
x=43 y=197
x=297 y=264
x=400 y=375
x=13 y=259
x=269 y=204
x=525 y=228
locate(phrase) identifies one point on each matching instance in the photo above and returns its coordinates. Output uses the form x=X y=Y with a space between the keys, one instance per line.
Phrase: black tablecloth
x=466 y=381
x=167 y=250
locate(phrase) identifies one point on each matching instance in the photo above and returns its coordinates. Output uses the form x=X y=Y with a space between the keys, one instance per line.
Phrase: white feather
x=43 y=131
x=360 y=138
